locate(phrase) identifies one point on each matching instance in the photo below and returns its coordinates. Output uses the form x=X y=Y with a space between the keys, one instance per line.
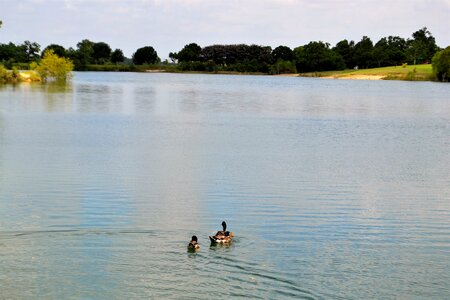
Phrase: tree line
x=86 y=53
x=311 y=57
x=314 y=56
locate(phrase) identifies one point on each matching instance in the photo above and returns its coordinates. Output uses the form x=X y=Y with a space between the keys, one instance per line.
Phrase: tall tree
x=83 y=54
x=57 y=49
x=363 y=54
x=345 y=49
x=101 y=52
x=145 y=55
x=31 y=50
x=317 y=56
x=282 y=53
x=422 y=47
x=189 y=52
x=117 y=56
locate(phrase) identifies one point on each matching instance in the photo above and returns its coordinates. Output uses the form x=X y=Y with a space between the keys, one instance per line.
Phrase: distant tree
x=283 y=67
x=57 y=49
x=145 y=55
x=1 y=23
x=31 y=51
x=380 y=53
x=240 y=58
x=83 y=55
x=263 y=54
x=441 y=64
x=282 y=53
x=173 y=57
x=422 y=47
x=10 y=53
x=101 y=52
x=363 y=54
x=397 y=50
x=389 y=51
x=345 y=49
x=52 y=66
x=189 y=52
x=317 y=56
x=117 y=56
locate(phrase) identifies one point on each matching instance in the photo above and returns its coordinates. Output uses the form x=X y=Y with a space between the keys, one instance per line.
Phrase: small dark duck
x=193 y=244
x=222 y=236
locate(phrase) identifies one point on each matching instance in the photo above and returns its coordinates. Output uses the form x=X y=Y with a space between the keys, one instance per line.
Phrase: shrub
x=54 y=67
x=441 y=65
x=10 y=76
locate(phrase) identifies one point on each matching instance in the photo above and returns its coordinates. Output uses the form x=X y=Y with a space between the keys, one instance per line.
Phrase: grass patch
x=412 y=73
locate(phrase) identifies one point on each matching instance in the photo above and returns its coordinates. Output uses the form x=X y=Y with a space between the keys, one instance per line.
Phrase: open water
x=334 y=189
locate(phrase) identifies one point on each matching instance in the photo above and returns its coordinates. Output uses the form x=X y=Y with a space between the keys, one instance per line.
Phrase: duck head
x=224 y=226
x=194 y=238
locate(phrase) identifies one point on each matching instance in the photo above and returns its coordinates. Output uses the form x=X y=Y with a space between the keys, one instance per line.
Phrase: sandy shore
x=356 y=77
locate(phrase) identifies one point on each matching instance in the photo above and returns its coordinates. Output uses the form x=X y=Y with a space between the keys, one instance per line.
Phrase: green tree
x=363 y=53
x=57 y=49
x=190 y=52
x=83 y=55
x=345 y=49
x=389 y=51
x=52 y=66
x=282 y=52
x=101 y=52
x=10 y=53
x=441 y=64
x=31 y=51
x=422 y=47
x=145 y=55
x=317 y=56
x=117 y=56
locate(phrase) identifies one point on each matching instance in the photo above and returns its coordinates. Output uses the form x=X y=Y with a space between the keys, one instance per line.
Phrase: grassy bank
x=411 y=73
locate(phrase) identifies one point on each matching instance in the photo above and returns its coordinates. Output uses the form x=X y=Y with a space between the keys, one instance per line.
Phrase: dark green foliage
x=240 y=58
x=363 y=53
x=190 y=52
x=109 y=68
x=83 y=55
x=31 y=51
x=117 y=56
x=101 y=52
x=422 y=47
x=283 y=53
x=345 y=49
x=57 y=49
x=441 y=65
x=145 y=55
x=11 y=54
x=317 y=56
x=283 y=67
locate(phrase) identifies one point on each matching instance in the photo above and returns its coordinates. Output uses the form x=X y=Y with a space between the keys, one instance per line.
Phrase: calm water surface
x=335 y=189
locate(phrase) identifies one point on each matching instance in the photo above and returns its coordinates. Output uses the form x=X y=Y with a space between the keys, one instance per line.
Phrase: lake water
x=334 y=189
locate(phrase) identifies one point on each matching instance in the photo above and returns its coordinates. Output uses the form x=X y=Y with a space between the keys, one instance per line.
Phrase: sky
x=168 y=25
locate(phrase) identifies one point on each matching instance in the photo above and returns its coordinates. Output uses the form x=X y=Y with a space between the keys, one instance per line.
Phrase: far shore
x=405 y=72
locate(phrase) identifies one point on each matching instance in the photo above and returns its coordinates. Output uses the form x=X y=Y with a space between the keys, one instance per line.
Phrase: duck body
x=193 y=244
x=222 y=236
x=220 y=239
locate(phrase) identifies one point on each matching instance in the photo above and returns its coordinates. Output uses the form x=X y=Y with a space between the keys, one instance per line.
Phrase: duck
x=193 y=244
x=222 y=236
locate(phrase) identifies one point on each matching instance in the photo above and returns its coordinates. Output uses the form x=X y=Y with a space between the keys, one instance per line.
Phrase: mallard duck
x=222 y=236
x=193 y=244
x=224 y=231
